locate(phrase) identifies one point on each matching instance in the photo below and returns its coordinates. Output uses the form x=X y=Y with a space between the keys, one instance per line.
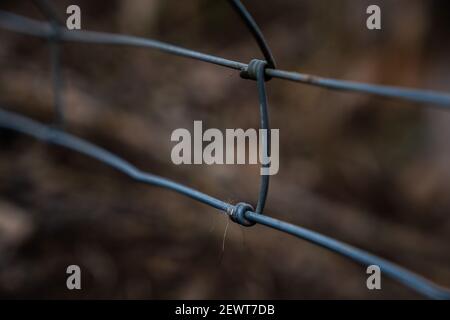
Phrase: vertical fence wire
x=55 y=59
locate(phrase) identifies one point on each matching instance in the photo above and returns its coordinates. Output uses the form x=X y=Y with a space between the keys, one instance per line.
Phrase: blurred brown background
x=368 y=171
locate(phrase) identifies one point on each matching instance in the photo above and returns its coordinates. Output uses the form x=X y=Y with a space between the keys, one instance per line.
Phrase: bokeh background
x=366 y=170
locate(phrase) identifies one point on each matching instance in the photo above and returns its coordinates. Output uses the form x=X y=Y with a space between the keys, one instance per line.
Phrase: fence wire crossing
x=258 y=70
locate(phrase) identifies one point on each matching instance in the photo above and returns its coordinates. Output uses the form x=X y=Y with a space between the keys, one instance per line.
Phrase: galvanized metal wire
x=241 y=212
x=266 y=137
x=12 y=121
x=255 y=31
x=36 y=28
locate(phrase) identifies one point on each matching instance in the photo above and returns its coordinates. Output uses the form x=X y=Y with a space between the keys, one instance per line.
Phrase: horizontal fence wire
x=12 y=121
x=56 y=34
x=36 y=28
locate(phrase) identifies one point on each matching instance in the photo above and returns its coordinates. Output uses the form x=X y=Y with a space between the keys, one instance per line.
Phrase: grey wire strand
x=51 y=135
x=19 y=123
x=421 y=96
x=402 y=275
x=264 y=116
x=33 y=27
x=255 y=31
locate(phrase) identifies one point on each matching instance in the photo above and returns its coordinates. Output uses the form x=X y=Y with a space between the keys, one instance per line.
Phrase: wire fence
x=259 y=70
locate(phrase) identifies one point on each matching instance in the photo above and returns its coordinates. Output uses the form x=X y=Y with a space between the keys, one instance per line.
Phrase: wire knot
x=237 y=214
x=252 y=70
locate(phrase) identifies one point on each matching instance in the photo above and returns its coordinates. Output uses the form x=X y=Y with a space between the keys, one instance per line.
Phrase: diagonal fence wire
x=258 y=70
x=12 y=121
x=36 y=28
x=254 y=30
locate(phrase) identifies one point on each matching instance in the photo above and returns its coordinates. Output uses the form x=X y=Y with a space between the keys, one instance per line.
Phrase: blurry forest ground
x=368 y=171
